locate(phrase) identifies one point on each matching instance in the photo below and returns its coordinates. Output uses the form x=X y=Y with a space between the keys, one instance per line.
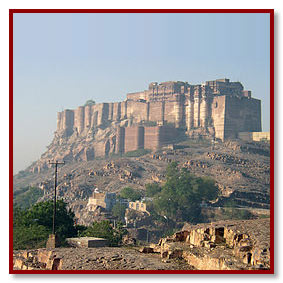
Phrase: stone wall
x=137 y=111
x=139 y=137
x=241 y=115
x=116 y=111
x=134 y=138
x=223 y=106
x=152 y=137
x=156 y=111
x=79 y=119
x=218 y=115
x=120 y=140
x=254 y=136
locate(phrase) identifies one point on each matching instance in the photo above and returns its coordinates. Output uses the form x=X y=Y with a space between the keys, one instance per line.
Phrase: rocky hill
x=241 y=170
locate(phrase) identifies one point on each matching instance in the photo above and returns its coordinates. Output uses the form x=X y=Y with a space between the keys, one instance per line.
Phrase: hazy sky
x=62 y=60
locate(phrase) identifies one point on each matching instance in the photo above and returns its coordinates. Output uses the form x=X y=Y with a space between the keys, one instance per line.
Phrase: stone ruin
x=230 y=245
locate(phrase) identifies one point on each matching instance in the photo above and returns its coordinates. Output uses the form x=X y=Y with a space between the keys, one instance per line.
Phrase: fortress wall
x=190 y=114
x=170 y=111
x=68 y=120
x=137 y=95
x=203 y=113
x=167 y=134
x=123 y=110
x=116 y=111
x=137 y=110
x=110 y=114
x=197 y=99
x=241 y=115
x=218 y=114
x=94 y=117
x=151 y=137
x=155 y=111
x=79 y=119
x=178 y=109
x=103 y=113
x=156 y=137
x=59 y=121
x=134 y=138
x=87 y=115
x=120 y=140
x=196 y=112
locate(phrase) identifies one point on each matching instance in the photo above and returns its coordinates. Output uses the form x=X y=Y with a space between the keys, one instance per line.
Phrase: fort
x=149 y=119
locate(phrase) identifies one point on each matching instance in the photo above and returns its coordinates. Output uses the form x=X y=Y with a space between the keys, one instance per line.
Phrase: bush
x=236 y=213
x=32 y=226
x=30 y=237
x=182 y=194
x=119 y=210
x=137 y=153
x=104 y=229
x=148 y=123
x=89 y=102
x=152 y=189
x=130 y=193
x=27 y=196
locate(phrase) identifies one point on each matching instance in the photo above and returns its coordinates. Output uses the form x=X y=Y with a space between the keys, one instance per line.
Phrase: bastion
x=150 y=119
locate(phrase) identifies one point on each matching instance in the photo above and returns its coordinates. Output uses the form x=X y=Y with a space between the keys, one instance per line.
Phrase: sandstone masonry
x=222 y=105
x=153 y=118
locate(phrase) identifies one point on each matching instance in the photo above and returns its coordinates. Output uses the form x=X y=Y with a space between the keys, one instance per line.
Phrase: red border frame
x=267 y=11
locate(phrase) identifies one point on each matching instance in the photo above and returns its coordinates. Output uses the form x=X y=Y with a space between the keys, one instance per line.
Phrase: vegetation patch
x=26 y=197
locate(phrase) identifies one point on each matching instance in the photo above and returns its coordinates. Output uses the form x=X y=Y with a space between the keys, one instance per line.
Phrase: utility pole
x=56 y=163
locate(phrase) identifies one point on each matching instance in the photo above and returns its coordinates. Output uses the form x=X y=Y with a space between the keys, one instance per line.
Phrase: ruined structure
x=105 y=200
x=153 y=118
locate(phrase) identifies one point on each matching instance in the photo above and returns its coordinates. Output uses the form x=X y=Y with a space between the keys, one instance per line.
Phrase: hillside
x=241 y=170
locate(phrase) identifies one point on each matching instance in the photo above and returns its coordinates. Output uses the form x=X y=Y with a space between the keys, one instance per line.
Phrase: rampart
x=219 y=109
x=140 y=137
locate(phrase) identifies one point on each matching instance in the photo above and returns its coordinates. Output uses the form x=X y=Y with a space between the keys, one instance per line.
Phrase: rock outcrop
x=220 y=246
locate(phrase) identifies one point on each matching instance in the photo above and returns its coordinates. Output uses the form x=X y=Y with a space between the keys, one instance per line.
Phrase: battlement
x=220 y=108
x=172 y=90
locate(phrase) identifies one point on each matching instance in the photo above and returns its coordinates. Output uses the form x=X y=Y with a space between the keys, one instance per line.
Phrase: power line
x=56 y=163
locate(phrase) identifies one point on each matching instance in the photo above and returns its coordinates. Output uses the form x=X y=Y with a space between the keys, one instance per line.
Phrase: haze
x=62 y=60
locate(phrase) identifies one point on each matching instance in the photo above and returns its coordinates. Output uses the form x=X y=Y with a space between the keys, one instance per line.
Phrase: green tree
x=152 y=189
x=130 y=193
x=27 y=196
x=182 y=194
x=29 y=237
x=40 y=218
x=104 y=229
x=89 y=102
x=119 y=210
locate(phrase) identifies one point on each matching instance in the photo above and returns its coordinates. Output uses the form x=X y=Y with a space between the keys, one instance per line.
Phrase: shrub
x=181 y=196
x=137 y=153
x=89 y=102
x=32 y=226
x=104 y=229
x=27 y=196
x=130 y=193
x=152 y=189
x=119 y=210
